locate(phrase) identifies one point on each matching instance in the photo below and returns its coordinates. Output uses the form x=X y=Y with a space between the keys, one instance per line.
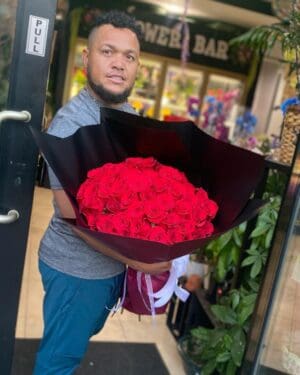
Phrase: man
x=82 y=284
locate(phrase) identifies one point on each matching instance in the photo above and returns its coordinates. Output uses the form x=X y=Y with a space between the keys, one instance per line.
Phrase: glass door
x=144 y=95
x=180 y=97
x=76 y=74
x=26 y=29
x=274 y=336
x=220 y=105
x=280 y=352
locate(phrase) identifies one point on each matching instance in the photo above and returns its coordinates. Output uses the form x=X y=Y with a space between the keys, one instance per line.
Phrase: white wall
x=268 y=96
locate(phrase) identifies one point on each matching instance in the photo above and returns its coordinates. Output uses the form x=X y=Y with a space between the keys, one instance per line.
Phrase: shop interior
x=221 y=103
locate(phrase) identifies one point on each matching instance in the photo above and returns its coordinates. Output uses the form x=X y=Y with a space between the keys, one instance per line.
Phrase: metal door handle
x=15 y=115
x=12 y=215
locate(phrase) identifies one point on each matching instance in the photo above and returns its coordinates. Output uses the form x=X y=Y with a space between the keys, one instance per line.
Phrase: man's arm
x=66 y=211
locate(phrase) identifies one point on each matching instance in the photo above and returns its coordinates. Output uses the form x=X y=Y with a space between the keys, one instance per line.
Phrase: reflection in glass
x=181 y=93
x=145 y=91
x=220 y=106
x=78 y=75
x=281 y=349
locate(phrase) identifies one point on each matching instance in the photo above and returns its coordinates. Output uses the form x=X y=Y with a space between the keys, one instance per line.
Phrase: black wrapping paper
x=228 y=173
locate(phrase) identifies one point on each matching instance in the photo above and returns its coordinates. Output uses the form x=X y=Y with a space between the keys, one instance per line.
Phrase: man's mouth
x=115 y=78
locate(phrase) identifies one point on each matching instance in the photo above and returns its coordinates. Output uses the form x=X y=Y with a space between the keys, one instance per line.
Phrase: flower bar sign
x=171 y=38
x=208 y=41
x=163 y=35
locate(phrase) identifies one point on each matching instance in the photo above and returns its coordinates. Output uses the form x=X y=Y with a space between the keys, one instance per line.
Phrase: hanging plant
x=261 y=40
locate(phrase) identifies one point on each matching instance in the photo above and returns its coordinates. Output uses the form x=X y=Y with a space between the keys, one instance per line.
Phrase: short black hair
x=120 y=20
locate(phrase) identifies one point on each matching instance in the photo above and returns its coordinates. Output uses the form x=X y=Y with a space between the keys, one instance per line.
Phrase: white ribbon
x=178 y=269
x=162 y=296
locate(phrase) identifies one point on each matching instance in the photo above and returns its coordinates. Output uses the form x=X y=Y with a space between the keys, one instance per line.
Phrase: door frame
x=18 y=160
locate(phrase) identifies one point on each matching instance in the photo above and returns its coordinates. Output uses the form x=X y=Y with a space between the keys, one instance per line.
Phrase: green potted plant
x=220 y=349
x=223 y=253
x=260 y=40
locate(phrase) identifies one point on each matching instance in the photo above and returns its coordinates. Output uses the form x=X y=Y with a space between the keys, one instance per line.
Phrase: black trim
x=18 y=160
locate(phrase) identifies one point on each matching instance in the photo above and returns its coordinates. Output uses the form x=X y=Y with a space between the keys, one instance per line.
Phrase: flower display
x=246 y=124
x=142 y=198
x=288 y=102
x=214 y=118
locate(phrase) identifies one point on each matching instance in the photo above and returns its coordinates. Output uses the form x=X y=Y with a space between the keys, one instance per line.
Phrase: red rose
x=158 y=234
x=144 y=199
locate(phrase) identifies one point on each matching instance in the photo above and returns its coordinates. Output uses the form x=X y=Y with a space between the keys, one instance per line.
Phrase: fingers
x=153 y=268
x=166 y=265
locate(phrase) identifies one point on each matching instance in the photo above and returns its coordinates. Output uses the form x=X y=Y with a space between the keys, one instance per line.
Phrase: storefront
x=166 y=86
x=274 y=339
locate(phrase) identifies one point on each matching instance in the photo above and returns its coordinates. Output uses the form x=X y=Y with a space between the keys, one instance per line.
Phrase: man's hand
x=152 y=269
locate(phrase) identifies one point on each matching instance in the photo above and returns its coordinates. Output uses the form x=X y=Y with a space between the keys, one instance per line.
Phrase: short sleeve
x=63 y=125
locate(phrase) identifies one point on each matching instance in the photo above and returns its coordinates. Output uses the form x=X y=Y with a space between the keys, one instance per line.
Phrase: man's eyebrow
x=130 y=50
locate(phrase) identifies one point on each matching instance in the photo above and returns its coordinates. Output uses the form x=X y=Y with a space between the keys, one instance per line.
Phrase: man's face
x=111 y=61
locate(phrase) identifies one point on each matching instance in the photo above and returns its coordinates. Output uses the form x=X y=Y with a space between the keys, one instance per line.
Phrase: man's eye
x=131 y=58
x=106 y=52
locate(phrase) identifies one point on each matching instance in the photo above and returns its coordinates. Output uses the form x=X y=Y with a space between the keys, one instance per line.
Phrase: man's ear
x=85 y=57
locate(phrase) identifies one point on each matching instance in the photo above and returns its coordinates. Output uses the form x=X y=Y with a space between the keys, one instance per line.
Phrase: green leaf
x=231 y=368
x=256 y=268
x=237 y=237
x=208 y=353
x=254 y=244
x=253 y=250
x=212 y=245
x=209 y=367
x=242 y=227
x=235 y=255
x=235 y=300
x=249 y=260
x=221 y=268
x=200 y=333
x=223 y=357
x=250 y=299
x=269 y=237
x=216 y=336
x=224 y=314
x=258 y=231
x=224 y=239
x=244 y=314
x=238 y=345
x=253 y=285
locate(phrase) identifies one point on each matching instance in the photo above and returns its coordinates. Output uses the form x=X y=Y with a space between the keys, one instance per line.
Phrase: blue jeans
x=74 y=310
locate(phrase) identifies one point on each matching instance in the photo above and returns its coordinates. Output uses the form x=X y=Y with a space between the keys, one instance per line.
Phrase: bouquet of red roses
x=142 y=198
x=228 y=174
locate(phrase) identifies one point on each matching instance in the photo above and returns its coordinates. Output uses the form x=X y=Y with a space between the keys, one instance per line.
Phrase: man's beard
x=107 y=96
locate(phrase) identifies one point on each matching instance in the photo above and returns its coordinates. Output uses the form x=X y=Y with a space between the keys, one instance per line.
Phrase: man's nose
x=119 y=62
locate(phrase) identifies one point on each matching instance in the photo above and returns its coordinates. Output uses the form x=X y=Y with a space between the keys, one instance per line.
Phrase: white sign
x=37 y=36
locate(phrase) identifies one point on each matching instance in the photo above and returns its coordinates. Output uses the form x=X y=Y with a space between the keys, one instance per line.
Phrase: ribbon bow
x=162 y=296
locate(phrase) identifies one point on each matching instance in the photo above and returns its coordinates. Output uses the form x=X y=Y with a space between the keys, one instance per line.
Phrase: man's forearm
x=153 y=268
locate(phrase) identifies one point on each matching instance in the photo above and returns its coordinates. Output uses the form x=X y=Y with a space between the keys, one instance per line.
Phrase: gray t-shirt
x=60 y=248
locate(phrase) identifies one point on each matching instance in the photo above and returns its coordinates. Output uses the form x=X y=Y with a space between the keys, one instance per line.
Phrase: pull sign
x=37 y=36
